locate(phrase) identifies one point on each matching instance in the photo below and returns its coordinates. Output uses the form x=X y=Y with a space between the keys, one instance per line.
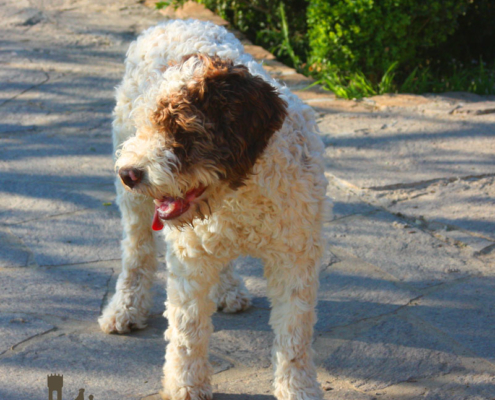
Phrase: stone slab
x=244 y=338
x=464 y=386
x=277 y=69
x=334 y=389
x=252 y=383
x=56 y=159
x=59 y=101
x=159 y=290
x=398 y=100
x=13 y=252
x=448 y=103
x=244 y=347
x=378 y=150
x=258 y=52
x=324 y=106
x=478 y=108
x=346 y=394
x=15 y=79
x=313 y=93
x=403 y=251
x=465 y=204
x=107 y=366
x=478 y=245
x=465 y=312
x=251 y=271
x=17 y=328
x=351 y=291
x=219 y=364
x=74 y=293
x=56 y=141
x=457 y=97
x=390 y=352
x=28 y=201
x=80 y=237
x=191 y=9
x=295 y=81
x=345 y=202
x=256 y=384
x=18 y=14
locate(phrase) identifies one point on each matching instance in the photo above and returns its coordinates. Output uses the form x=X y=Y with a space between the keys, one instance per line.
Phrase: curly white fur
x=276 y=216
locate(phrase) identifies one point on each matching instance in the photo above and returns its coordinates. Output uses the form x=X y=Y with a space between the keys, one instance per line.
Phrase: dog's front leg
x=187 y=372
x=292 y=290
x=132 y=300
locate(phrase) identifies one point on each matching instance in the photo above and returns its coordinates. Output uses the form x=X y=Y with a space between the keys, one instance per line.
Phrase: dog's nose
x=130 y=176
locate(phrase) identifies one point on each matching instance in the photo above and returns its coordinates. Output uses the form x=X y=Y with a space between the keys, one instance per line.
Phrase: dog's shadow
x=226 y=396
x=230 y=396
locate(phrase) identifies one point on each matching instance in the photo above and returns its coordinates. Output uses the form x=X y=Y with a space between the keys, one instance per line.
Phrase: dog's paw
x=121 y=320
x=234 y=300
x=294 y=381
x=202 y=392
x=306 y=393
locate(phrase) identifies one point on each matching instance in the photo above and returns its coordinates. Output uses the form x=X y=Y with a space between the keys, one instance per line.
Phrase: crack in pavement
x=81 y=263
x=13 y=347
x=48 y=217
x=426 y=183
x=31 y=258
x=107 y=291
x=47 y=78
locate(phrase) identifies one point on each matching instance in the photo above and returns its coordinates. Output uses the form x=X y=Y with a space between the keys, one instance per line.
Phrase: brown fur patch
x=222 y=120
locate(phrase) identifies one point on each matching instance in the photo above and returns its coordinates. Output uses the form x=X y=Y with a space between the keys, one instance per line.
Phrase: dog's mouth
x=168 y=208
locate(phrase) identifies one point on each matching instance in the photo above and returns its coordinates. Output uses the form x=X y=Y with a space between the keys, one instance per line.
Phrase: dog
x=226 y=162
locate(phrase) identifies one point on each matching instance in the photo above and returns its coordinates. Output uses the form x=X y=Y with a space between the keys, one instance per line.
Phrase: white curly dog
x=227 y=161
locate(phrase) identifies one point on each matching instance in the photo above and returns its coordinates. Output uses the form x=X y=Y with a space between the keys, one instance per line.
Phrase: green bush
x=473 y=39
x=368 y=35
x=363 y=47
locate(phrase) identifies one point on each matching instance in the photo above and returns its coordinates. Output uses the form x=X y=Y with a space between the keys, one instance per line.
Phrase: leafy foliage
x=356 y=85
x=361 y=48
x=368 y=35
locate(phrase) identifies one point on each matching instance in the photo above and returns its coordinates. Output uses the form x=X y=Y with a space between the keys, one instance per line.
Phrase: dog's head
x=209 y=122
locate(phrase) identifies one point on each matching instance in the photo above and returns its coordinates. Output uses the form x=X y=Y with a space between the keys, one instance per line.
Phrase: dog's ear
x=242 y=113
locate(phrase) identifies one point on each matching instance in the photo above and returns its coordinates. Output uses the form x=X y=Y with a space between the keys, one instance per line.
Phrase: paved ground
x=407 y=298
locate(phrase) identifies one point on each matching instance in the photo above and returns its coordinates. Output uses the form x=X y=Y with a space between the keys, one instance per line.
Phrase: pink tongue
x=172 y=207
x=157 y=224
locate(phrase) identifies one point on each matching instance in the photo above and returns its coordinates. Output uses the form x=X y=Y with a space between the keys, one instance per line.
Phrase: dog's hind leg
x=230 y=294
x=129 y=306
x=292 y=288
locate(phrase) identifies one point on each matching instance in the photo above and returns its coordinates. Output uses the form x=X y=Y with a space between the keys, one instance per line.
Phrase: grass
x=355 y=85
x=286 y=43
x=479 y=79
